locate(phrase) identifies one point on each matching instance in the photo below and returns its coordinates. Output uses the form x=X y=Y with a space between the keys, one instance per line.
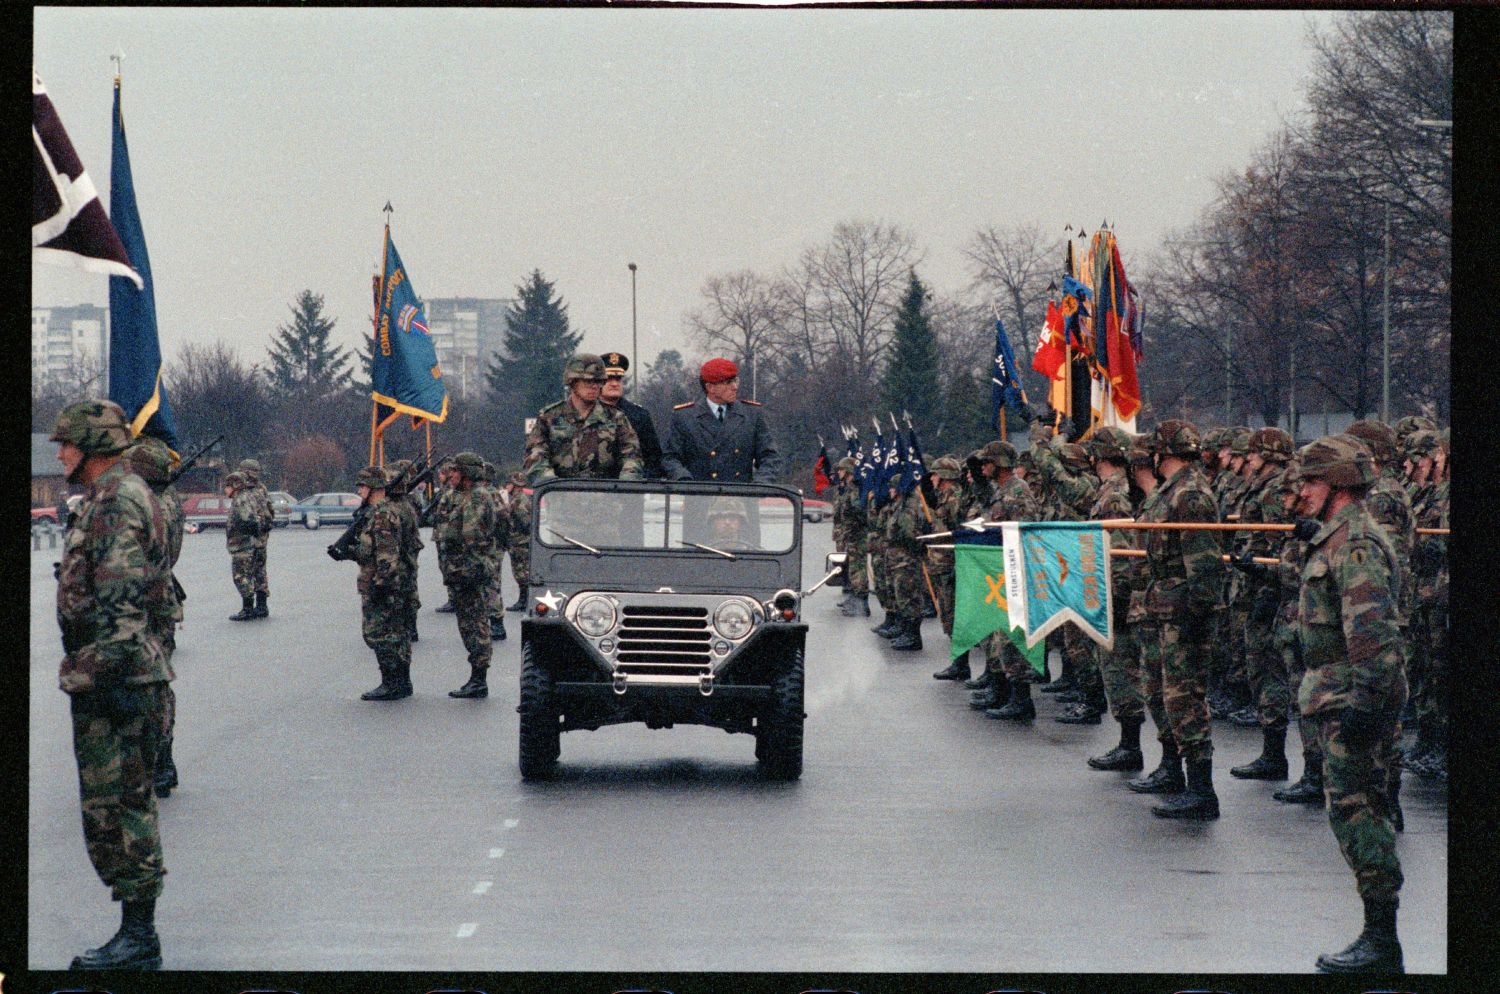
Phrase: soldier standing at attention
x=1354 y=686
x=405 y=503
x=442 y=505
x=849 y=538
x=720 y=437
x=240 y=531
x=151 y=460
x=905 y=555
x=945 y=474
x=250 y=470
x=580 y=438
x=518 y=505
x=464 y=537
x=613 y=395
x=382 y=582
x=1011 y=501
x=1186 y=574
x=115 y=609
x=494 y=599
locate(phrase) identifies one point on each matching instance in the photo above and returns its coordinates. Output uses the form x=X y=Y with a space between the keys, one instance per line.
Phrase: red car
x=204 y=511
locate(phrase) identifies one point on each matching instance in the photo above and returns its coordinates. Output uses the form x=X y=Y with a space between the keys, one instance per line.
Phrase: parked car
x=281 y=507
x=40 y=514
x=325 y=509
x=202 y=511
x=816 y=510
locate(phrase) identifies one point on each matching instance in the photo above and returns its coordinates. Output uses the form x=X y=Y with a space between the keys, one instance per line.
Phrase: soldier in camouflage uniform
x=1069 y=473
x=1270 y=449
x=518 y=509
x=442 y=504
x=1429 y=655
x=1012 y=501
x=946 y=504
x=250 y=470
x=464 y=537
x=580 y=438
x=878 y=512
x=494 y=597
x=1404 y=429
x=974 y=499
x=1293 y=555
x=241 y=529
x=849 y=528
x=905 y=555
x=404 y=501
x=1146 y=669
x=151 y=460
x=1355 y=686
x=1109 y=447
x=1229 y=641
x=115 y=609
x=379 y=550
x=1186 y=574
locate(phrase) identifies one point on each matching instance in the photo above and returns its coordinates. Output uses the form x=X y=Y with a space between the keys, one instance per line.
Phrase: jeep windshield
x=722 y=524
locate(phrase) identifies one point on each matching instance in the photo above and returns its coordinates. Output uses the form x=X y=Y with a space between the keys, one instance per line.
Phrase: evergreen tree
x=304 y=366
x=910 y=382
x=538 y=344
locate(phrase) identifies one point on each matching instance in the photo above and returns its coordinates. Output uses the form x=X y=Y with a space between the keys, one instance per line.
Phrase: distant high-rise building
x=467 y=332
x=70 y=346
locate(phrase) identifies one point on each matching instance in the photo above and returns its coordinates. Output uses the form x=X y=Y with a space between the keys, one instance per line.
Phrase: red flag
x=1125 y=388
x=1050 y=354
x=821 y=482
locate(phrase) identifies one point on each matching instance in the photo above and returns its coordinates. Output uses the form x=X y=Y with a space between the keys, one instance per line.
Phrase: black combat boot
x=909 y=636
x=475 y=688
x=520 y=604
x=857 y=606
x=1246 y=717
x=390 y=685
x=1167 y=778
x=1377 y=950
x=1198 y=802
x=1271 y=764
x=166 y=770
x=411 y=624
x=402 y=673
x=446 y=607
x=134 y=947
x=1064 y=682
x=247 y=610
x=980 y=682
x=887 y=629
x=497 y=628
x=1083 y=713
x=261 y=611
x=1308 y=790
x=1127 y=755
x=957 y=670
x=1018 y=706
x=992 y=694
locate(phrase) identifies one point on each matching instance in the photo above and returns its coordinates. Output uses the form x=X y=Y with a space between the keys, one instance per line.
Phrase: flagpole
x=376 y=431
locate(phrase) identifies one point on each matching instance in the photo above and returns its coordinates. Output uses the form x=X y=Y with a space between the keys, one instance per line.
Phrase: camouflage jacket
x=243 y=526
x=502 y=518
x=1185 y=568
x=848 y=516
x=600 y=446
x=944 y=519
x=378 y=549
x=465 y=538
x=442 y=508
x=1070 y=493
x=1430 y=509
x=1391 y=508
x=1140 y=572
x=114 y=588
x=907 y=520
x=1012 y=501
x=974 y=499
x=171 y=509
x=265 y=512
x=520 y=519
x=1350 y=643
x=1112 y=500
x=411 y=536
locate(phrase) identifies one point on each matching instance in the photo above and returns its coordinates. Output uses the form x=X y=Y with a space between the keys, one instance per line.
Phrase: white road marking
x=467 y=929
x=483 y=886
x=512 y=822
x=496 y=853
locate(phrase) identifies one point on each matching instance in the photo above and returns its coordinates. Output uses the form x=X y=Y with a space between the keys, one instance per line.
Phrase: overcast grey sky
x=265 y=142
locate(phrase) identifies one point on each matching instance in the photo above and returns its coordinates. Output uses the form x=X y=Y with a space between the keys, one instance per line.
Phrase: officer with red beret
x=720 y=437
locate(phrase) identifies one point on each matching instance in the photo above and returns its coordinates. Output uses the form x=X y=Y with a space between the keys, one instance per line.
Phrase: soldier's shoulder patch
x=752 y=403
x=683 y=407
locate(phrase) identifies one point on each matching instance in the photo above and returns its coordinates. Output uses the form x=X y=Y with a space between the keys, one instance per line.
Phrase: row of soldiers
x=1188 y=630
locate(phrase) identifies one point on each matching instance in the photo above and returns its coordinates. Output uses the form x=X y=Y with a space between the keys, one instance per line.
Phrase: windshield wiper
x=709 y=548
x=573 y=541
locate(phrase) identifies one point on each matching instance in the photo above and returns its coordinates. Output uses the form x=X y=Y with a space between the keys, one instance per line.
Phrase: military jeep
x=663 y=603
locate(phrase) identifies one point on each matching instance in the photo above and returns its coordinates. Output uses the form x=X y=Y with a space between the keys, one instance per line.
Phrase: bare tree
x=1013 y=266
x=739 y=314
x=857 y=277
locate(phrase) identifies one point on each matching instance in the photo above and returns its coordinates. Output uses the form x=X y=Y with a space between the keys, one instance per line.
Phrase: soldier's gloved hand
x=57 y=571
x=1429 y=558
x=1306 y=528
x=1245 y=563
x=1361 y=728
x=1024 y=414
x=335 y=554
x=1263 y=608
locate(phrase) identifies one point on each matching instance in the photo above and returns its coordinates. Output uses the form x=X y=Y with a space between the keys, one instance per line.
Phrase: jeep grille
x=662 y=640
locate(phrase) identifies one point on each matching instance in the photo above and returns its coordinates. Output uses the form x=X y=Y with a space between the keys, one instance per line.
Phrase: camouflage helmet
x=1109 y=443
x=395 y=468
x=1073 y=456
x=1422 y=442
x=1272 y=443
x=373 y=477
x=1140 y=458
x=1411 y=423
x=721 y=507
x=1026 y=459
x=1339 y=460
x=516 y=479
x=1215 y=439
x=234 y=480
x=96 y=427
x=847 y=463
x=583 y=366
x=470 y=464
x=1175 y=437
x=998 y=453
x=251 y=469
x=946 y=468
x=151 y=460
x=491 y=473
x=1239 y=440
x=1378 y=437
x=1146 y=441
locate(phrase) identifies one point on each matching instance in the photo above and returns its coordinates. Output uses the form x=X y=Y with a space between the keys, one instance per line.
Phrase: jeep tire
x=779 y=735
x=540 y=735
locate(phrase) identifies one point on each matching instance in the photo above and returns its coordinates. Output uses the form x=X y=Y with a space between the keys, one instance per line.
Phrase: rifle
x=343 y=547
x=192 y=460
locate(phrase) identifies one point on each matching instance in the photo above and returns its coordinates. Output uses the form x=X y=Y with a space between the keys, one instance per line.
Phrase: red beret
x=718 y=371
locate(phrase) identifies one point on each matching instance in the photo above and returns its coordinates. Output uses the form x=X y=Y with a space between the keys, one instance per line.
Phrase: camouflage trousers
x=1121 y=688
x=859 y=569
x=1083 y=661
x=1427 y=657
x=943 y=583
x=520 y=563
x=880 y=579
x=908 y=586
x=412 y=603
x=116 y=735
x=384 y=623
x=1291 y=660
x=1184 y=686
x=258 y=566
x=1235 y=620
x=242 y=569
x=494 y=591
x=1148 y=677
x=473 y=622
x=1266 y=670
x=1355 y=785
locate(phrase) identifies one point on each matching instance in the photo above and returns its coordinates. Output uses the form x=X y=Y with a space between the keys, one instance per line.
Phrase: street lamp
x=635 y=355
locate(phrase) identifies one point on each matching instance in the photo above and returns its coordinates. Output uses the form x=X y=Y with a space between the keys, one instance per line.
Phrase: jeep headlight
x=732 y=620
x=595 y=616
